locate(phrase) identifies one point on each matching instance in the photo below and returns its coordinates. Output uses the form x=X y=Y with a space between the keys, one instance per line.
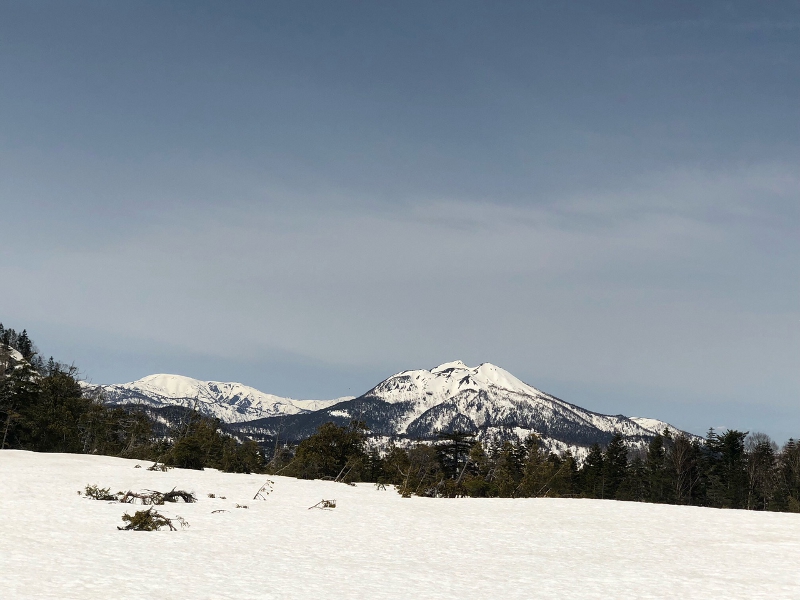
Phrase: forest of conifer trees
x=727 y=470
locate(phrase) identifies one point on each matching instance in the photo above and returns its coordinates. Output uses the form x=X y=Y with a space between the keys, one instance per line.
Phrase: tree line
x=725 y=470
x=44 y=408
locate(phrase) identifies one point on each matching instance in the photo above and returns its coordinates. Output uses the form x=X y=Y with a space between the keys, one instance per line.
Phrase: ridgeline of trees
x=44 y=408
x=728 y=470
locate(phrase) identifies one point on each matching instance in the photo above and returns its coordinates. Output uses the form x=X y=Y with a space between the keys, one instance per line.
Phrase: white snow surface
x=230 y=402
x=374 y=544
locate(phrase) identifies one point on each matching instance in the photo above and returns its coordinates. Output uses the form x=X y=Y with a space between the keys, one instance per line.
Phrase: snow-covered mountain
x=229 y=402
x=485 y=399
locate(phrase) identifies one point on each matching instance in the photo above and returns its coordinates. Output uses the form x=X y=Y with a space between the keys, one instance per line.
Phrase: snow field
x=374 y=544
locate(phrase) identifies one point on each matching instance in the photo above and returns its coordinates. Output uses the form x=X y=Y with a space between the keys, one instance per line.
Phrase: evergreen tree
x=476 y=481
x=635 y=485
x=333 y=452
x=725 y=468
x=507 y=474
x=537 y=471
x=592 y=474
x=615 y=464
x=24 y=345
x=658 y=484
x=788 y=490
x=453 y=449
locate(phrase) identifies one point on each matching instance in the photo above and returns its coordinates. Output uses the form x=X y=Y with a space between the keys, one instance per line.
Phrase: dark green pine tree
x=591 y=474
x=725 y=469
x=24 y=345
x=476 y=481
x=658 y=484
x=634 y=486
x=453 y=449
x=615 y=465
x=789 y=477
x=507 y=470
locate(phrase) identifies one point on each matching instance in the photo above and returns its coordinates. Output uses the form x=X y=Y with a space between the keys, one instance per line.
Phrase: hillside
x=374 y=544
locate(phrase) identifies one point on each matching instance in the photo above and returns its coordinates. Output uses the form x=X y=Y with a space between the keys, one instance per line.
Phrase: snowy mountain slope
x=485 y=399
x=230 y=402
x=55 y=544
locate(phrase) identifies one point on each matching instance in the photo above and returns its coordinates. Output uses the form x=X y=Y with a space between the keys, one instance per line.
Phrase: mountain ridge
x=415 y=404
x=231 y=402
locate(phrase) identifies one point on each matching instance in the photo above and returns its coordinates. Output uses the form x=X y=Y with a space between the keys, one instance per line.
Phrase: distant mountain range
x=229 y=402
x=485 y=400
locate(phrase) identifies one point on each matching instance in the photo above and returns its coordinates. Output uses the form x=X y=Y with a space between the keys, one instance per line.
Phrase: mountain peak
x=456 y=364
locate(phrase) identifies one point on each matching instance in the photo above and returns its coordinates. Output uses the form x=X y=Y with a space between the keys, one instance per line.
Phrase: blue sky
x=310 y=196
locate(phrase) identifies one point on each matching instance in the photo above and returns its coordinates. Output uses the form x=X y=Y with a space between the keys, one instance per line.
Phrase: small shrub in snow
x=150 y=520
x=324 y=505
x=97 y=493
x=158 y=467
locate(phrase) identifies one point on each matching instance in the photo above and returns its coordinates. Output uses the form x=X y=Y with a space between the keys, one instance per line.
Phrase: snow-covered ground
x=374 y=544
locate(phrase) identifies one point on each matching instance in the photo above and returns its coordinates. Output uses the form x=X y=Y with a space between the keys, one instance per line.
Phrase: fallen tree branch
x=151 y=520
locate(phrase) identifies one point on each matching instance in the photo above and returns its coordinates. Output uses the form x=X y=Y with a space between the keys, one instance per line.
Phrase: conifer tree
x=634 y=486
x=658 y=485
x=476 y=481
x=506 y=475
x=536 y=469
x=592 y=473
x=725 y=468
x=615 y=464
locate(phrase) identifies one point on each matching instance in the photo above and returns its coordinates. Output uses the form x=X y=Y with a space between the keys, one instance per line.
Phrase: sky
x=307 y=197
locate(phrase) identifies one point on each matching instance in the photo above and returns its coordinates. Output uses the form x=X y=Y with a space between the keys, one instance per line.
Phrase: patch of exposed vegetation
x=151 y=520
